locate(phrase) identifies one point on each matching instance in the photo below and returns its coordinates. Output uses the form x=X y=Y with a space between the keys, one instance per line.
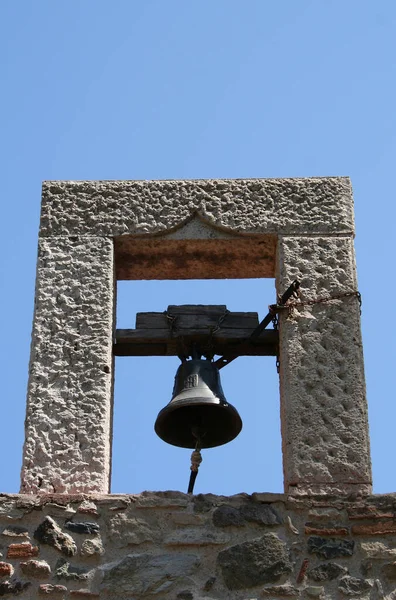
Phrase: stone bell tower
x=326 y=537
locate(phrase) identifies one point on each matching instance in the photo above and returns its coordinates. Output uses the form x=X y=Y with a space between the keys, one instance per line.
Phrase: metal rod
x=191 y=483
x=292 y=290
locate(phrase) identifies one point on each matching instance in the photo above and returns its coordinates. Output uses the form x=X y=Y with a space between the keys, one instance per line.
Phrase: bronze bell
x=198 y=411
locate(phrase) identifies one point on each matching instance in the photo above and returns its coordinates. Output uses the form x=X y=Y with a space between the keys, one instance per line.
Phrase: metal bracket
x=292 y=290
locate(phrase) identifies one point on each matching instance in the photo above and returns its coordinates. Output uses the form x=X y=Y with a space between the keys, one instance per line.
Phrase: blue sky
x=198 y=89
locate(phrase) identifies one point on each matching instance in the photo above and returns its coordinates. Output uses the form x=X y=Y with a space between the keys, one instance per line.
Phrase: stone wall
x=173 y=546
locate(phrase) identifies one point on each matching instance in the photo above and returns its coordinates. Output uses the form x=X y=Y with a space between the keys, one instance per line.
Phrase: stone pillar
x=323 y=402
x=68 y=421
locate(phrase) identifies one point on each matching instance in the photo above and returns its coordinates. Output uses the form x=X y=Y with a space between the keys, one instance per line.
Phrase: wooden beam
x=174 y=331
x=160 y=342
x=203 y=317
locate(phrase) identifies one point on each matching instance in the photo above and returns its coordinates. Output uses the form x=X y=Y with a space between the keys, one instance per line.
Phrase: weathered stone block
x=83 y=528
x=35 y=568
x=126 y=530
x=314 y=591
x=15 y=531
x=58 y=510
x=327 y=572
x=202 y=504
x=161 y=500
x=195 y=537
x=378 y=550
x=10 y=509
x=13 y=587
x=330 y=547
x=381 y=528
x=88 y=508
x=227 y=516
x=64 y=570
x=369 y=512
x=50 y=533
x=311 y=529
x=92 y=548
x=253 y=563
x=6 y=569
x=147 y=574
x=49 y=589
x=23 y=550
x=352 y=586
x=285 y=590
x=325 y=514
x=262 y=514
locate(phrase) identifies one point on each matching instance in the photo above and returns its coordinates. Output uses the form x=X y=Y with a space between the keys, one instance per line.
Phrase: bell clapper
x=196 y=459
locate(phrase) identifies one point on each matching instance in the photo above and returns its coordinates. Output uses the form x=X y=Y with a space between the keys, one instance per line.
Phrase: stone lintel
x=316 y=205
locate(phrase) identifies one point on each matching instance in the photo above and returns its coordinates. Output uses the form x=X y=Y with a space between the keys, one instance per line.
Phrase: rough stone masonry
x=171 y=546
x=326 y=537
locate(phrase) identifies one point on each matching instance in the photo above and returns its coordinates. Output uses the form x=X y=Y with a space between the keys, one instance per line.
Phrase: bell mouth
x=219 y=421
